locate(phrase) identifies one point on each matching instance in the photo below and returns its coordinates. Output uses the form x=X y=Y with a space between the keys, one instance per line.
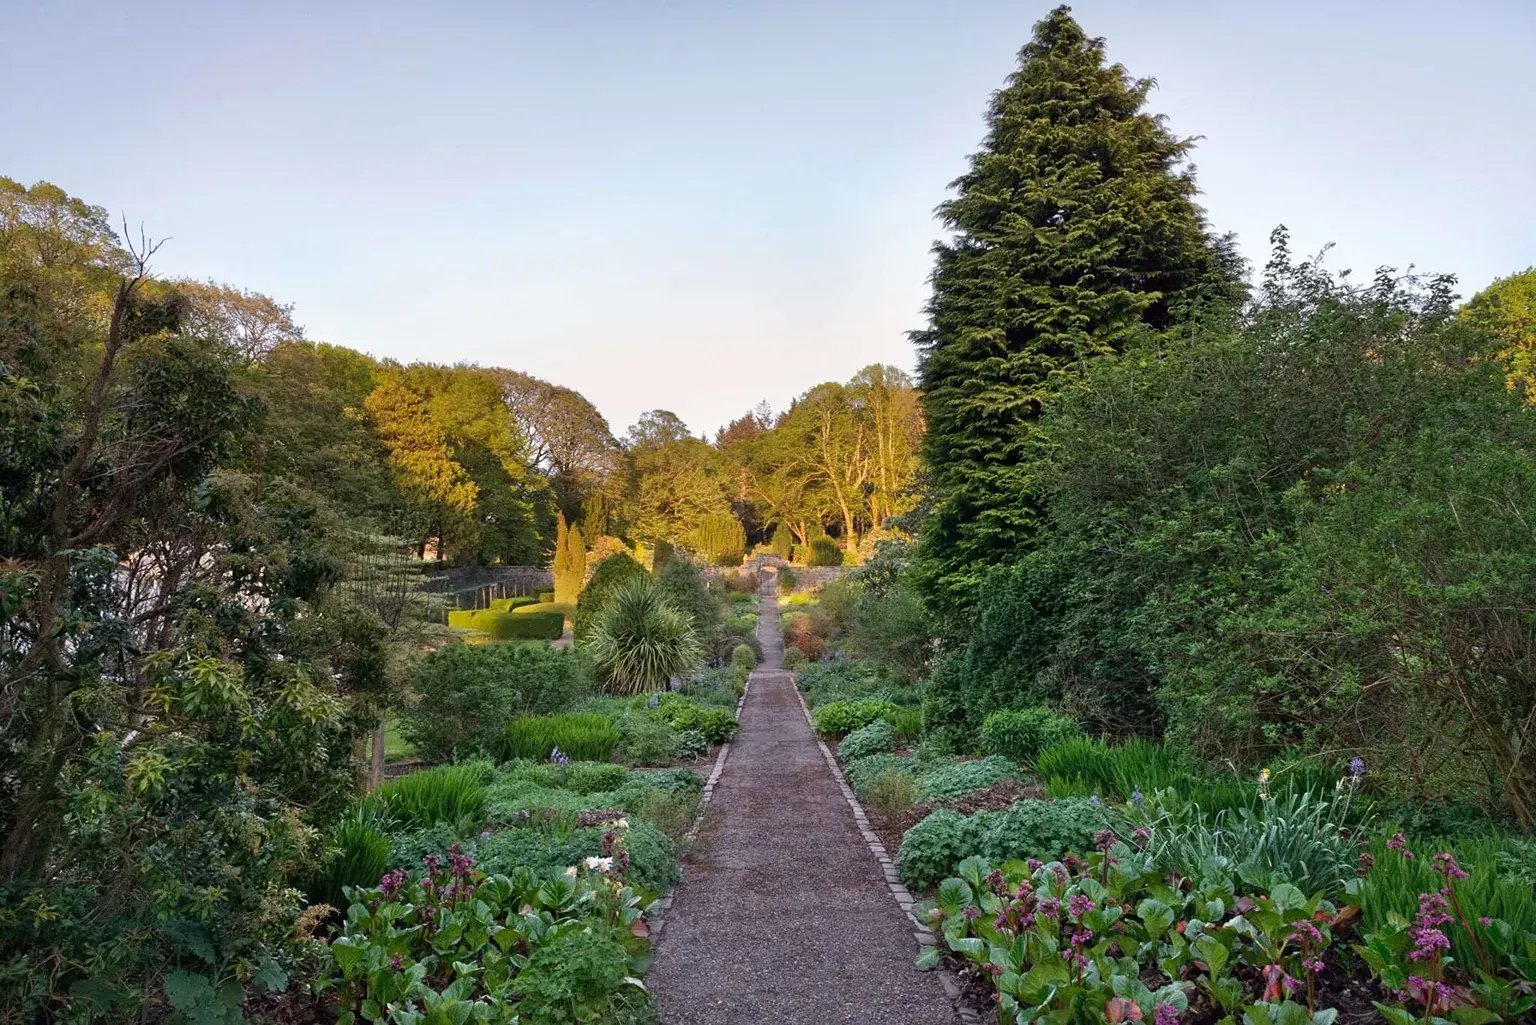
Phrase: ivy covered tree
x=1074 y=230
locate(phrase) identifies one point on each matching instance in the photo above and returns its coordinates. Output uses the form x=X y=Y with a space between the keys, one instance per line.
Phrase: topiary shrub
x=683 y=586
x=1041 y=829
x=743 y=658
x=546 y=596
x=861 y=772
x=720 y=539
x=840 y=718
x=610 y=575
x=533 y=624
x=585 y=736
x=641 y=641
x=783 y=542
x=570 y=561
x=933 y=847
x=960 y=778
x=872 y=738
x=565 y=608
x=824 y=552
x=508 y=604
x=468 y=694
x=1021 y=734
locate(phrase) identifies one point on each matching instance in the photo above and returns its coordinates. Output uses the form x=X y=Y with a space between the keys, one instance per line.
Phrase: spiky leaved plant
x=642 y=640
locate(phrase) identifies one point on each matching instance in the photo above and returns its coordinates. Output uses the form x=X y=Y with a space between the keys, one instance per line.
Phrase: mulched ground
x=784 y=915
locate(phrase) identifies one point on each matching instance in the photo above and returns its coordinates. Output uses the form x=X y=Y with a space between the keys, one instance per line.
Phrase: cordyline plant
x=641 y=640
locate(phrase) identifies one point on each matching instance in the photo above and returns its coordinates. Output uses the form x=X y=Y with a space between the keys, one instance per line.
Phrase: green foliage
x=646 y=740
x=743 y=658
x=570 y=561
x=641 y=641
x=1507 y=310
x=1110 y=933
x=1095 y=767
x=447 y=793
x=581 y=736
x=960 y=778
x=399 y=944
x=824 y=552
x=872 y=738
x=1279 y=533
x=577 y=776
x=610 y=575
x=932 y=848
x=566 y=609
x=891 y=793
x=530 y=622
x=356 y=854
x=1299 y=837
x=721 y=539
x=681 y=713
x=508 y=604
x=681 y=583
x=840 y=718
x=783 y=541
x=906 y=724
x=1045 y=830
x=862 y=772
x=1061 y=255
x=468 y=694
x=1021 y=734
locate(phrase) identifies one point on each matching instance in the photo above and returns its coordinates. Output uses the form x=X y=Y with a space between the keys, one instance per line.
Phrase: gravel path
x=784 y=915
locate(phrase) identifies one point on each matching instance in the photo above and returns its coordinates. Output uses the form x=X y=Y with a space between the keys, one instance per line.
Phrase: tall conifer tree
x=1075 y=228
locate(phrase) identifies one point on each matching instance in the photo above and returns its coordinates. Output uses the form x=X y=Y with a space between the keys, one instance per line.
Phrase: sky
x=700 y=204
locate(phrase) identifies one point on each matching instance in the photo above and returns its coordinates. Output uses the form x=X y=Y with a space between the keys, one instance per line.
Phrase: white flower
x=602 y=865
x=571 y=872
x=621 y=824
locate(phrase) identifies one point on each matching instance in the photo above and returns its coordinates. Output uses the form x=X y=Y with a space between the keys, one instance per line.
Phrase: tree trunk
x=376 y=763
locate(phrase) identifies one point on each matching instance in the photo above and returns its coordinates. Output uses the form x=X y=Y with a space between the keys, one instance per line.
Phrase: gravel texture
x=784 y=915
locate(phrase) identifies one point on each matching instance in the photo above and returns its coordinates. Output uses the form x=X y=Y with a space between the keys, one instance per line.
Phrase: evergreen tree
x=1075 y=229
x=570 y=562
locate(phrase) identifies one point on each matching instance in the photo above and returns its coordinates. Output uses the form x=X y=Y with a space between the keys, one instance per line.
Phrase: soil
x=784 y=915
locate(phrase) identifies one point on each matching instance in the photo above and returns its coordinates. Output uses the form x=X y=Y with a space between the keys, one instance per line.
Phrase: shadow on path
x=784 y=915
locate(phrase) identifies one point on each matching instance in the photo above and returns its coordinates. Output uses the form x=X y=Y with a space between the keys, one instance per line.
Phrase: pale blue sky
x=697 y=205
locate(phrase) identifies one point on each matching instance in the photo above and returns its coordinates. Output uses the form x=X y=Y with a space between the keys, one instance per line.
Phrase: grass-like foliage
x=1082 y=765
x=448 y=793
x=642 y=640
x=356 y=854
x=1022 y=733
x=583 y=736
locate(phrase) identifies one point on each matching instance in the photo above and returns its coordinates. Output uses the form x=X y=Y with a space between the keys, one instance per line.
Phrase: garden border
x=920 y=932
x=656 y=913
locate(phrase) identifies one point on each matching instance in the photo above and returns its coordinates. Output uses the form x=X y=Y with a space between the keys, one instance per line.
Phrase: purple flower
x=972 y=913
x=1315 y=966
x=1484 y=921
x=1050 y=907
x=1165 y=1014
x=1399 y=843
x=1357 y=768
x=1138 y=799
x=1094 y=800
x=559 y=757
x=1080 y=905
x=1445 y=864
x=1034 y=864
x=392 y=881
x=1305 y=930
x=395 y=963
x=1104 y=839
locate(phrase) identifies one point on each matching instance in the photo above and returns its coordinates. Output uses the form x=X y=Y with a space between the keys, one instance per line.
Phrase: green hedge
x=581 y=736
x=508 y=604
x=566 y=609
x=546 y=596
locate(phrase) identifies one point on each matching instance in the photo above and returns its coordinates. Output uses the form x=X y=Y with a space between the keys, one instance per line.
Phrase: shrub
x=839 y=718
x=508 y=604
x=1021 y=734
x=577 y=777
x=691 y=744
x=783 y=542
x=720 y=539
x=861 y=772
x=641 y=641
x=534 y=624
x=570 y=561
x=672 y=781
x=892 y=792
x=579 y=735
x=933 y=847
x=567 y=609
x=871 y=738
x=743 y=658
x=646 y=740
x=672 y=811
x=546 y=596
x=1040 y=829
x=824 y=552
x=793 y=659
x=960 y=778
x=845 y=678
x=716 y=724
x=468 y=694
x=682 y=585
x=448 y=793
x=611 y=574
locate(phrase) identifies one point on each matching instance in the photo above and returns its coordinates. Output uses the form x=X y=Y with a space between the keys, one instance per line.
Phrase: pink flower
x=1445 y=864
x=1165 y=1014
x=1399 y=843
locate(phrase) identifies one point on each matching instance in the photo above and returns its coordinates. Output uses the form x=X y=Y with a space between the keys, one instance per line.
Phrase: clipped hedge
x=525 y=623
x=508 y=604
x=581 y=736
x=546 y=596
x=565 y=608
